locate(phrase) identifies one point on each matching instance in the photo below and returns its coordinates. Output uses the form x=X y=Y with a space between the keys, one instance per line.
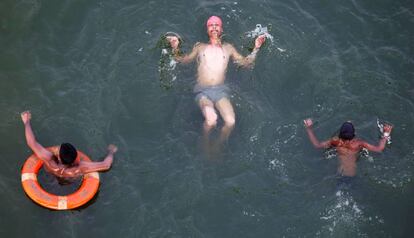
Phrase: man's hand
x=174 y=41
x=26 y=116
x=259 y=41
x=112 y=149
x=387 y=130
x=308 y=122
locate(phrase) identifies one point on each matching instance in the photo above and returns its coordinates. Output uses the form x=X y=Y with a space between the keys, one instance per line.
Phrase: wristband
x=386 y=134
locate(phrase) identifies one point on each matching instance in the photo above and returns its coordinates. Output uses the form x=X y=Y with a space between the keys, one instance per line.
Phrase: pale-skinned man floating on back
x=212 y=94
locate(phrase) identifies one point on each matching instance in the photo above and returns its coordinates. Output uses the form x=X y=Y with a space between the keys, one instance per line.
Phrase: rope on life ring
x=85 y=193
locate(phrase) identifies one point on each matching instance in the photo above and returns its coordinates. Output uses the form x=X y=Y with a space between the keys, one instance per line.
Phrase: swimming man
x=63 y=162
x=212 y=59
x=347 y=146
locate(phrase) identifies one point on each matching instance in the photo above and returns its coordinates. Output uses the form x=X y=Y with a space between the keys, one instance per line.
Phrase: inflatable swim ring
x=85 y=193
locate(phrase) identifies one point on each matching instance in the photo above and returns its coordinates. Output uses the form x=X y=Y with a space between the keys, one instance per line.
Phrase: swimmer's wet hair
x=347 y=131
x=67 y=153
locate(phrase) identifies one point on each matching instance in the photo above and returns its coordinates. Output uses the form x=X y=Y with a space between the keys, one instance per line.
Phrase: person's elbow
x=248 y=65
x=378 y=150
x=244 y=63
x=184 y=60
x=320 y=146
x=317 y=146
x=106 y=166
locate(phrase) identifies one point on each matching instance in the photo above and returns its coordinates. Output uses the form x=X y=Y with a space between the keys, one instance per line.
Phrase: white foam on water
x=166 y=68
x=258 y=31
x=343 y=218
x=285 y=138
x=172 y=64
x=254 y=138
x=276 y=164
x=253 y=214
x=392 y=175
x=381 y=129
x=395 y=174
x=330 y=153
x=231 y=11
x=280 y=49
x=364 y=153
x=263 y=30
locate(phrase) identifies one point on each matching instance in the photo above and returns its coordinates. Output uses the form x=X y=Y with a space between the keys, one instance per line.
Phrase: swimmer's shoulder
x=226 y=44
x=228 y=47
x=358 y=143
x=335 y=141
x=199 y=45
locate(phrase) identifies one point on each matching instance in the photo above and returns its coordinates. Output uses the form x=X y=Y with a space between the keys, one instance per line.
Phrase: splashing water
x=286 y=138
x=263 y=30
x=171 y=61
x=258 y=31
x=343 y=218
x=381 y=129
x=167 y=65
x=364 y=153
x=330 y=153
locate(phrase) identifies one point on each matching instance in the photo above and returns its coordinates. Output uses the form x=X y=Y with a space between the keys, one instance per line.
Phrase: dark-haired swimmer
x=62 y=162
x=212 y=59
x=347 y=146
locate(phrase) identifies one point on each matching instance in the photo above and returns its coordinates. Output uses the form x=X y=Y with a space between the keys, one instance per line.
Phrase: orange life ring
x=86 y=192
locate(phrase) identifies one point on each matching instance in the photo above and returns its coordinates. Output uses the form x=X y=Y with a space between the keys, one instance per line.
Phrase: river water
x=92 y=73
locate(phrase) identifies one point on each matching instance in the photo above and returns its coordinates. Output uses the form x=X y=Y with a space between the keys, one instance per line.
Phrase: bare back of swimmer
x=347 y=145
x=212 y=59
x=62 y=163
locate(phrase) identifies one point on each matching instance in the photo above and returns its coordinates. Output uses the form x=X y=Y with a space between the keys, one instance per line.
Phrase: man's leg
x=210 y=115
x=227 y=113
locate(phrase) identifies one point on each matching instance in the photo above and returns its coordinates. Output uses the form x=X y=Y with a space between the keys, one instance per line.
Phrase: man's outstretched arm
x=87 y=167
x=381 y=145
x=308 y=125
x=174 y=42
x=250 y=59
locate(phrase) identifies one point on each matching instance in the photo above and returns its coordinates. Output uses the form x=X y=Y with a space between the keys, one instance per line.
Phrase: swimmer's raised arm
x=308 y=125
x=87 y=167
x=41 y=152
x=174 y=42
x=248 y=60
x=31 y=141
x=381 y=145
